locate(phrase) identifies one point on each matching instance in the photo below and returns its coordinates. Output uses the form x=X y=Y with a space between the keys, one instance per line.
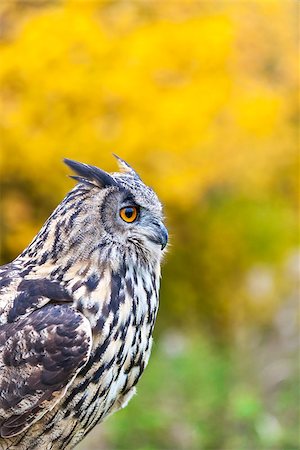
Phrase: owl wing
x=40 y=355
x=19 y=296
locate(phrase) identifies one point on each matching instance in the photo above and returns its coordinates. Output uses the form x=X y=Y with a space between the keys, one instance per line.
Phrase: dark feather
x=40 y=355
x=36 y=293
x=91 y=173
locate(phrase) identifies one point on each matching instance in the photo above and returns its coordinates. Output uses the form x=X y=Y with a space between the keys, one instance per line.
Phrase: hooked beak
x=161 y=235
x=164 y=236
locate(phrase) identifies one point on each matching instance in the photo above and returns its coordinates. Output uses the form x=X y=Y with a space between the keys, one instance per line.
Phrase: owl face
x=132 y=217
x=119 y=212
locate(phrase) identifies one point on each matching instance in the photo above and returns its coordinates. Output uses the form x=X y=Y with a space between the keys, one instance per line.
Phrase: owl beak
x=159 y=234
x=164 y=236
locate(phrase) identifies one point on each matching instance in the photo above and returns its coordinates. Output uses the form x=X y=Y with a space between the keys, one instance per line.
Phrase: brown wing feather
x=39 y=357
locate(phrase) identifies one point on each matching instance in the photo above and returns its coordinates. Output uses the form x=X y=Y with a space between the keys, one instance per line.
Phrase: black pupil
x=129 y=212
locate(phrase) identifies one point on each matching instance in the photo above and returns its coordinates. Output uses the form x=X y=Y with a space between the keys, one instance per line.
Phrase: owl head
x=111 y=215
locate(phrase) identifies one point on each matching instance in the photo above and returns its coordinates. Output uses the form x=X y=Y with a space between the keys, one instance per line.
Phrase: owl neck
x=66 y=235
x=113 y=296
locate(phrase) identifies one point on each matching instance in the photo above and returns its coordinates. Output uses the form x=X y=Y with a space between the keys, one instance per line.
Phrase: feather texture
x=39 y=357
x=77 y=311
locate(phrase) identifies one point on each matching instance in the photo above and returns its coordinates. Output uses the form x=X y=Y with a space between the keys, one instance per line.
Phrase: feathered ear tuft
x=125 y=167
x=89 y=174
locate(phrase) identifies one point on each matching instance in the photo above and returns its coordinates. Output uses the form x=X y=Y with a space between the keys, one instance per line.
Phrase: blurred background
x=201 y=99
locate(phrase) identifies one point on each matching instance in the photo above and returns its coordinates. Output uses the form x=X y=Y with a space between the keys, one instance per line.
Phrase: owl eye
x=129 y=213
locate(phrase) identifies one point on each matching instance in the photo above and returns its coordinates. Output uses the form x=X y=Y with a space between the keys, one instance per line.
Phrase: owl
x=77 y=310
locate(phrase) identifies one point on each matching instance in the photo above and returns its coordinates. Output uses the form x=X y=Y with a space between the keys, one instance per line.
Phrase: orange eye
x=129 y=213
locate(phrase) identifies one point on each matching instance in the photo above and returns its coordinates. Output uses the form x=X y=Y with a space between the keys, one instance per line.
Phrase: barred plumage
x=77 y=311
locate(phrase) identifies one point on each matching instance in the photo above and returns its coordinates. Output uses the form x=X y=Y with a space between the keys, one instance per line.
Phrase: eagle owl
x=77 y=310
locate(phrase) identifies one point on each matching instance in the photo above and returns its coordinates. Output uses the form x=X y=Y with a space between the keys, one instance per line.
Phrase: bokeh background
x=201 y=98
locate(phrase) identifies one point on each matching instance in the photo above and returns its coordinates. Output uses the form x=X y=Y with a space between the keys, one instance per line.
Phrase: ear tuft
x=91 y=174
x=125 y=167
